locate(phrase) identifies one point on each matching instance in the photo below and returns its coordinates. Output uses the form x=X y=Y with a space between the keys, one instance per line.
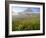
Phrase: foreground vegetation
x=27 y=23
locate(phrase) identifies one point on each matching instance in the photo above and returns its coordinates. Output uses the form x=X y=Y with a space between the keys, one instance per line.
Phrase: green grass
x=29 y=23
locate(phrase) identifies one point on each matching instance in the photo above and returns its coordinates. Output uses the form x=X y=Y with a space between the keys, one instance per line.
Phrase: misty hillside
x=26 y=13
x=22 y=16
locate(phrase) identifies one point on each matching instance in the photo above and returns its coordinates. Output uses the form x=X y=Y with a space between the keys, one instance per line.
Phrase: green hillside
x=27 y=23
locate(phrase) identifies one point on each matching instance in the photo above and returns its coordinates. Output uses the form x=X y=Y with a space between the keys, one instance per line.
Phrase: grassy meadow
x=26 y=23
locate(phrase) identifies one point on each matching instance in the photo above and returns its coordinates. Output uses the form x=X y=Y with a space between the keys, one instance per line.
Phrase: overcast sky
x=22 y=9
